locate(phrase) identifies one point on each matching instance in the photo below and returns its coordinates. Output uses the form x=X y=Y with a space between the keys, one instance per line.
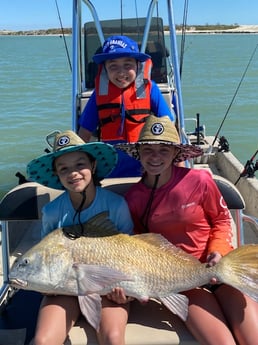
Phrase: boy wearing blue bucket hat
x=123 y=98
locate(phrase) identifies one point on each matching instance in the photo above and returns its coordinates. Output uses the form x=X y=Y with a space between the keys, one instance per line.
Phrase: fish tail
x=239 y=268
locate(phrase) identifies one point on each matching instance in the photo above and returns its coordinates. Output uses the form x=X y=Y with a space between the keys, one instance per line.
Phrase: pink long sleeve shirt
x=188 y=210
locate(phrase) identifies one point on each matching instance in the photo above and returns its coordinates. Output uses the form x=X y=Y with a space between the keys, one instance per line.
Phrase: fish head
x=45 y=267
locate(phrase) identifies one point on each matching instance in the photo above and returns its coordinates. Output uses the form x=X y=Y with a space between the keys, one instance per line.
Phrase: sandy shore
x=240 y=29
x=246 y=28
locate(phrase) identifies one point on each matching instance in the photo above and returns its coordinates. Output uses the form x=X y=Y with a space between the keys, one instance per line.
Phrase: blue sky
x=41 y=14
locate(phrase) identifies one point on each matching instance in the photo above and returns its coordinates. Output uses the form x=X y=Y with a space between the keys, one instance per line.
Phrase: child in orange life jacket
x=123 y=98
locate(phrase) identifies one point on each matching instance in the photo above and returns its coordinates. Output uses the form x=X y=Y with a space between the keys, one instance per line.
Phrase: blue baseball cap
x=116 y=47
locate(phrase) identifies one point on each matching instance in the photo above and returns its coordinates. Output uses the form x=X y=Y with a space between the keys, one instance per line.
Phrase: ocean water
x=35 y=94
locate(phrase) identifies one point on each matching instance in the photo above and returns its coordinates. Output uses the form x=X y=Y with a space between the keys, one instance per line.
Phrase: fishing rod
x=249 y=168
x=63 y=35
x=183 y=36
x=234 y=96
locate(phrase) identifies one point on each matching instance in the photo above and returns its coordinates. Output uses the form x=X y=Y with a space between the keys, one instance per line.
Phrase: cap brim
x=100 y=58
x=41 y=170
x=186 y=151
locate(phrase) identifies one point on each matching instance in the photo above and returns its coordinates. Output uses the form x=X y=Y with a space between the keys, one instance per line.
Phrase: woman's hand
x=212 y=259
x=118 y=296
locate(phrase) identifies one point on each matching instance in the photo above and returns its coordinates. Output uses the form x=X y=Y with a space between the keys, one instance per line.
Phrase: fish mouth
x=18 y=282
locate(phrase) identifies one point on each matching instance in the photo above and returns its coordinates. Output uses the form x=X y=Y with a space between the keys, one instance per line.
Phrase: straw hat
x=41 y=169
x=161 y=130
x=116 y=47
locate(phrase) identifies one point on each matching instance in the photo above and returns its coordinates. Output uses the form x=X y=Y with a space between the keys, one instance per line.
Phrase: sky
x=42 y=14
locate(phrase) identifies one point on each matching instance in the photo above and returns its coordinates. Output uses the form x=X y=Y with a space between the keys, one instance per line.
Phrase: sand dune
x=239 y=29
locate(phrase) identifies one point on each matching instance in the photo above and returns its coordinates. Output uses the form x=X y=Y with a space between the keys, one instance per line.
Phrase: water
x=35 y=94
x=213 y=68
x=35 y=99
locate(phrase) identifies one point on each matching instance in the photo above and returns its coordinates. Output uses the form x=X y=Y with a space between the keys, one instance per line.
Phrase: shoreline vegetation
x=193 y=29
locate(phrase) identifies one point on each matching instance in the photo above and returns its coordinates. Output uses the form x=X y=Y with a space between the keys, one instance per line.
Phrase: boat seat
x=119 y=185
x=21 y=206
x=231 y=194
x=20 y=220
x=25 y=201
x=236 y=203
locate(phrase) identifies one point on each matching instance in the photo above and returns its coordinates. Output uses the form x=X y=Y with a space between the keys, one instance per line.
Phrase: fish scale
x=130 y=250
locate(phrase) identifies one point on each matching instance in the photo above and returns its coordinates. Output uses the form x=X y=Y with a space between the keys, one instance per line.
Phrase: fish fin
x=91 y=309
x=239 y=268
x=153 y=239
x=97 y=226
x=161 y=243
x=94 y=279
x=177 y=304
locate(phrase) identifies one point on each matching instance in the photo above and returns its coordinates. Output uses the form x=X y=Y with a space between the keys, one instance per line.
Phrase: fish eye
x=24 y=262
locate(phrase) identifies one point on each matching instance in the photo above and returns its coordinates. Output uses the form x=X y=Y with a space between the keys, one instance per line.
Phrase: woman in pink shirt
x=186 y=207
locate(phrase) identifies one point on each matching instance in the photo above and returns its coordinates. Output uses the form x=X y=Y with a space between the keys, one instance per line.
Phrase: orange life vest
x=122 y=112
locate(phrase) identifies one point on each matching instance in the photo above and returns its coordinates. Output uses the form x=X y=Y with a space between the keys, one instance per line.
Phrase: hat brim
x=186 y=152
x=100 y=58
x=41 y=169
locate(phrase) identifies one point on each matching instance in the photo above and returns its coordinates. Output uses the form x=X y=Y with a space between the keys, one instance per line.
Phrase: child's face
x=121 y=72
x=74 y=170
x=157 y=158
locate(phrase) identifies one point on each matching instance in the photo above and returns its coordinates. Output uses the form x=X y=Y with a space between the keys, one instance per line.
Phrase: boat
x=20 y=208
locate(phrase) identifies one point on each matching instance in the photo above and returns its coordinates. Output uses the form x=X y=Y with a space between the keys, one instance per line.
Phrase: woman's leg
x=113 y=323
x=241 y=313
x=205 y=319
x=57 y=315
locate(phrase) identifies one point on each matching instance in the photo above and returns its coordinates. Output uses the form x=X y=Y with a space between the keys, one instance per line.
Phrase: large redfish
x=146 y=266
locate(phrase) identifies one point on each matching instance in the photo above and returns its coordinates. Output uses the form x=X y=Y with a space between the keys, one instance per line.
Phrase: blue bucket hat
x=116 y=47
x=41 y=169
